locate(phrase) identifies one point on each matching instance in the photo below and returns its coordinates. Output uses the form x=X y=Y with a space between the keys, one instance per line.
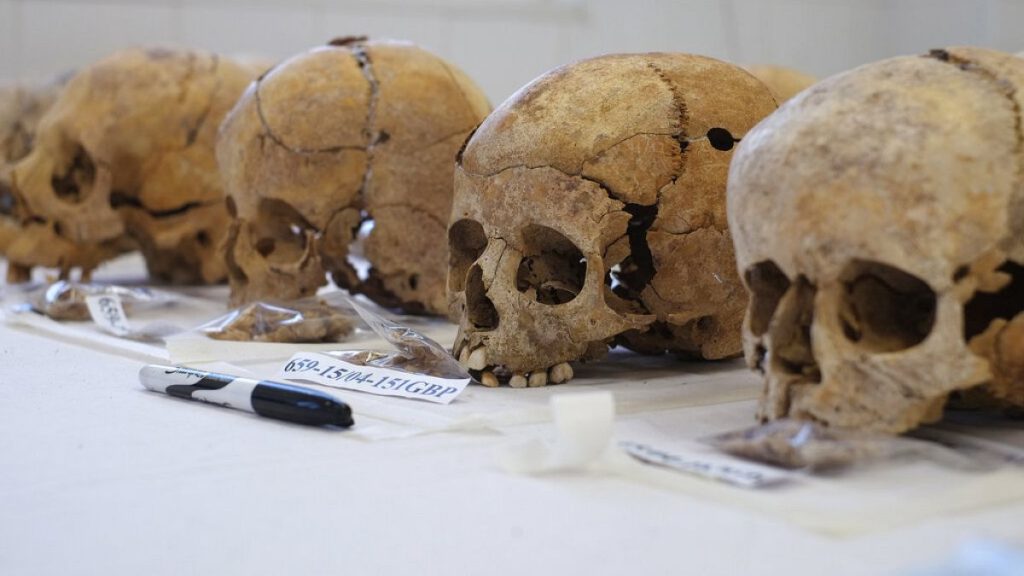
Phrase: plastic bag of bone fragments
x=796 y=444
x=308 y=320
x=415 y=353
x=65 y=300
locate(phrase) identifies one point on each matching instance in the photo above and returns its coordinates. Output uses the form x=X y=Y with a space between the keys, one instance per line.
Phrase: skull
x=879 y=225
x=330 y=141
x=590 y=211
x=20 y=110
x=126 y=152
x=783 y=82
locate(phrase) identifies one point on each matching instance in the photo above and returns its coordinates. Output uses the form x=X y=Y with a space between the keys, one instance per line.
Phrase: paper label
x=330 y=371
x=108 y=313
x=709 y=466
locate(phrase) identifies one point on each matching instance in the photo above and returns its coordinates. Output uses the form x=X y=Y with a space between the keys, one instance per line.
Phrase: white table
x=98 y=476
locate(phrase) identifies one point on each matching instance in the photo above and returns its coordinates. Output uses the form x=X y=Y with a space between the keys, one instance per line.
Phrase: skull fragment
x=326 y=143
x=590 y=211
x=126 y=153
x=879 y=226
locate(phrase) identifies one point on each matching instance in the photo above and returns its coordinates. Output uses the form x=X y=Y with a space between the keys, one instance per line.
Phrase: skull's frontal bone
x=879 y=226
x=589 y=211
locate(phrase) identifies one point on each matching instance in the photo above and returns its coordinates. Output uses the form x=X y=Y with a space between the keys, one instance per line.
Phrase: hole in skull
x=6 y=199
x=634 y=273
x=884 y=309
x=75 y=183
x=552 y=269
x=356 y=255
x=480 y=311
x=767 y=284
x=414 y=281
x=203 y=239
x=466 y=242
x=721 y=139
x=1007 y=303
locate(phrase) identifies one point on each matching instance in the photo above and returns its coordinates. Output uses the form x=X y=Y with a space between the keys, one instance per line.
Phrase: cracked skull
x=879 y=226
x=590 y=211
x=334 y=140
x=126 y=155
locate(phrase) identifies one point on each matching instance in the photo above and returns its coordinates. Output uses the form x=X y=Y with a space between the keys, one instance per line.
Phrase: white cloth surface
x=99 y=476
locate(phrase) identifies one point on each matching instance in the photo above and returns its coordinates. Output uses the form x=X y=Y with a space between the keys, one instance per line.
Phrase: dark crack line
x=269 y=133
x=1004 y=86
x=362 y=56
x=420 y=211
x=680 y=105
x=119 y=201
x=445 y=138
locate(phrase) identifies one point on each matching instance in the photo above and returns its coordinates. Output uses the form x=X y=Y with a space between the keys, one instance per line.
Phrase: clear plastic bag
x=415 y=354
x=64 y=300
x=302 y=321
x=796 y=444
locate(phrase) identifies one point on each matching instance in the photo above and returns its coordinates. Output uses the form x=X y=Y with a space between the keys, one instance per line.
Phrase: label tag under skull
x=331 y=371
x=708 y=466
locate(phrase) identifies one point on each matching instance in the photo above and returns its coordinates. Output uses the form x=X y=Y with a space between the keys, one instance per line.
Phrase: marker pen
x=271 y=399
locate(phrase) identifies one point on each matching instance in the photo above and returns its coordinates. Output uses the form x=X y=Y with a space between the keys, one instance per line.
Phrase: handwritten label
x=330 y=371
x=108 y=313
x=708 y=466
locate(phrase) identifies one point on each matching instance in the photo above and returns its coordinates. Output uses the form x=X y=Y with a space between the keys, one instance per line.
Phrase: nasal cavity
x=480 y=311
x=885 y=309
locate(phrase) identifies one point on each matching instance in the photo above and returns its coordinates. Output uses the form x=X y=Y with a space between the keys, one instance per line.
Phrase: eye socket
x=466 y=243
x=767 y=284
x=721 y=139
x=553 y=269
x=885 y=309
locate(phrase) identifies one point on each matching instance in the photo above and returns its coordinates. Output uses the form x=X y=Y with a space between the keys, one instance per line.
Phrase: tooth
x=517 y=381
x=561 y=373
x=489 y=379
x=538 y=379
x=477 y=359
x=464 y=357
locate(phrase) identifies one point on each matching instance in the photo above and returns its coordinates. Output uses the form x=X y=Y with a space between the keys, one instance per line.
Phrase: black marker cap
x=300 y=405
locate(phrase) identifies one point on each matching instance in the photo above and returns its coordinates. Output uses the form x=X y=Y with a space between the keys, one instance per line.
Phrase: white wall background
x=505 y=43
